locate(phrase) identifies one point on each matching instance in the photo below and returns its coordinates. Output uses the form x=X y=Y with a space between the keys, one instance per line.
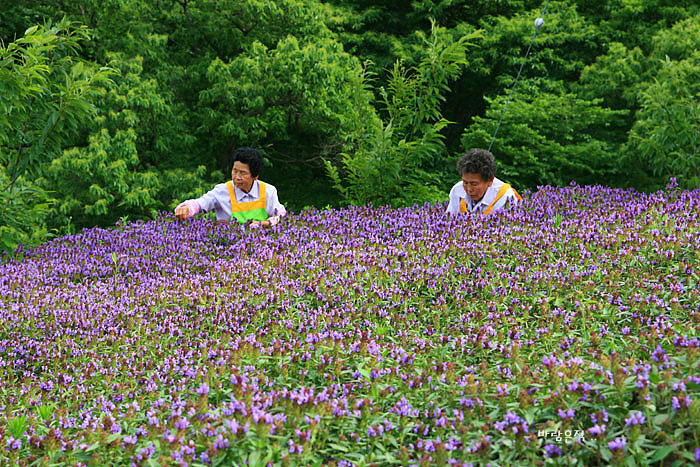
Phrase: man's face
x=475 y=186
x=241 y=177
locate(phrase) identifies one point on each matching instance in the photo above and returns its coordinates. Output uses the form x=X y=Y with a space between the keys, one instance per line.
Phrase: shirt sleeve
x=209 y=201
x=453 y=206
x=192 y=207
x=273 y=205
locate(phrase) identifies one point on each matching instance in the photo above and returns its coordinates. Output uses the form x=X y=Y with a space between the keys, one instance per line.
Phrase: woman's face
x=241 y=177
x=475 y=186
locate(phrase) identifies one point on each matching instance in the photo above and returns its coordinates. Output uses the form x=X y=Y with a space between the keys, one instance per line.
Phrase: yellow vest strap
x=463 y=206
x=520 y=198
x=499 y=195
x=248 y=205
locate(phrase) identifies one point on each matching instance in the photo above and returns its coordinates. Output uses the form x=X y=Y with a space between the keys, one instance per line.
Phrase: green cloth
x=258 y=214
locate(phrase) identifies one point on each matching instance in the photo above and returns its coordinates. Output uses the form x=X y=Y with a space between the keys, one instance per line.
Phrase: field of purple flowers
x=563 y=332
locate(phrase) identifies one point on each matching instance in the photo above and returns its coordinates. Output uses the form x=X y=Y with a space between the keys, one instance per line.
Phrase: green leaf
x=660 y=418
x=338 y=447
x=92 y=447
x=254 y=458
x=17 y=426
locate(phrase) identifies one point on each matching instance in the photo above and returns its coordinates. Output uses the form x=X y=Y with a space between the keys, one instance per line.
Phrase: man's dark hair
x=250 y=156
x=477 y=161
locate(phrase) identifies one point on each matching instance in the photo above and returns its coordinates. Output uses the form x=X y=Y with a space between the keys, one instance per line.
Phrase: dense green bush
x=123 y=165
x=47 y=93
x=400 y=159
x=550 y=136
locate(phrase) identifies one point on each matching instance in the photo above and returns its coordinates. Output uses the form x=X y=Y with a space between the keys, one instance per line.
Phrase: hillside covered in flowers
x=564 y=331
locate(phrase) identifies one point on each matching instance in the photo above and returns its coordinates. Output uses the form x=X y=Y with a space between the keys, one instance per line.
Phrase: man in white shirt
x=479 y=191
x=244 y=198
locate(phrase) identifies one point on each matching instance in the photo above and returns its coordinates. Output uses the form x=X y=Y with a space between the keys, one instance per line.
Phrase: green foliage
x=23 y=212
x=46 y=94
x=614 y=76
x=661 y=89
x=377 y=30
x=391 y=161
x=227 y=28
x=46 y=98
x=666 y=134
x=123 y=168
x=296 y=88
x=563 y=46
x=17 y=426
x=634 y=22
x=198 y=78
x=549 y=137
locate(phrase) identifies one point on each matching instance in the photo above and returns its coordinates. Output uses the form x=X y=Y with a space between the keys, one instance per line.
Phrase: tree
x=666 y=134
x=395 y=162
x=47 y=95
x=309 y=89
x=633 y=22
x=550 y=136
x=130 y=163
x=658 y=84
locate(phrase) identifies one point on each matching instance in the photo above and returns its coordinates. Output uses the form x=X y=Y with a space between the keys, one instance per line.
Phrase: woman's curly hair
x=477 y=161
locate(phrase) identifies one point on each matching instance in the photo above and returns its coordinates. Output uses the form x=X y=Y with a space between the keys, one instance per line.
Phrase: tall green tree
x=47 y=94
x=665 y=136
x=633 y=22
x=128 y=164
x=656 y=81
x=397 y=160
x=311 y=90
x=551 y=137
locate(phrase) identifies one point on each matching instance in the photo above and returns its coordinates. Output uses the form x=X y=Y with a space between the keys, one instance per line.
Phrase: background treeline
x=114 y=108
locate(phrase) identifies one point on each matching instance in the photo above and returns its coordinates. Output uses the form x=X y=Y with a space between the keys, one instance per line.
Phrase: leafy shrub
x=549 y=136
x=400 y=161
x=47 y=94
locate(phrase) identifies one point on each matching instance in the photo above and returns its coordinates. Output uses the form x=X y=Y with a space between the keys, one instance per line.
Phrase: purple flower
x=182 y=424
x=602 y=414
x=675 y=403
x=678 y=386
x=14 y=444
x=569 y=413
x=635 y=418
x=552 y=450
x=597 y=430
x=618 y=444
x=659 y=355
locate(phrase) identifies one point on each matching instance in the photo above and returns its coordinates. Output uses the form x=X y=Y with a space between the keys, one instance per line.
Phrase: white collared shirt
x=218 y=200
x=457 y=193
